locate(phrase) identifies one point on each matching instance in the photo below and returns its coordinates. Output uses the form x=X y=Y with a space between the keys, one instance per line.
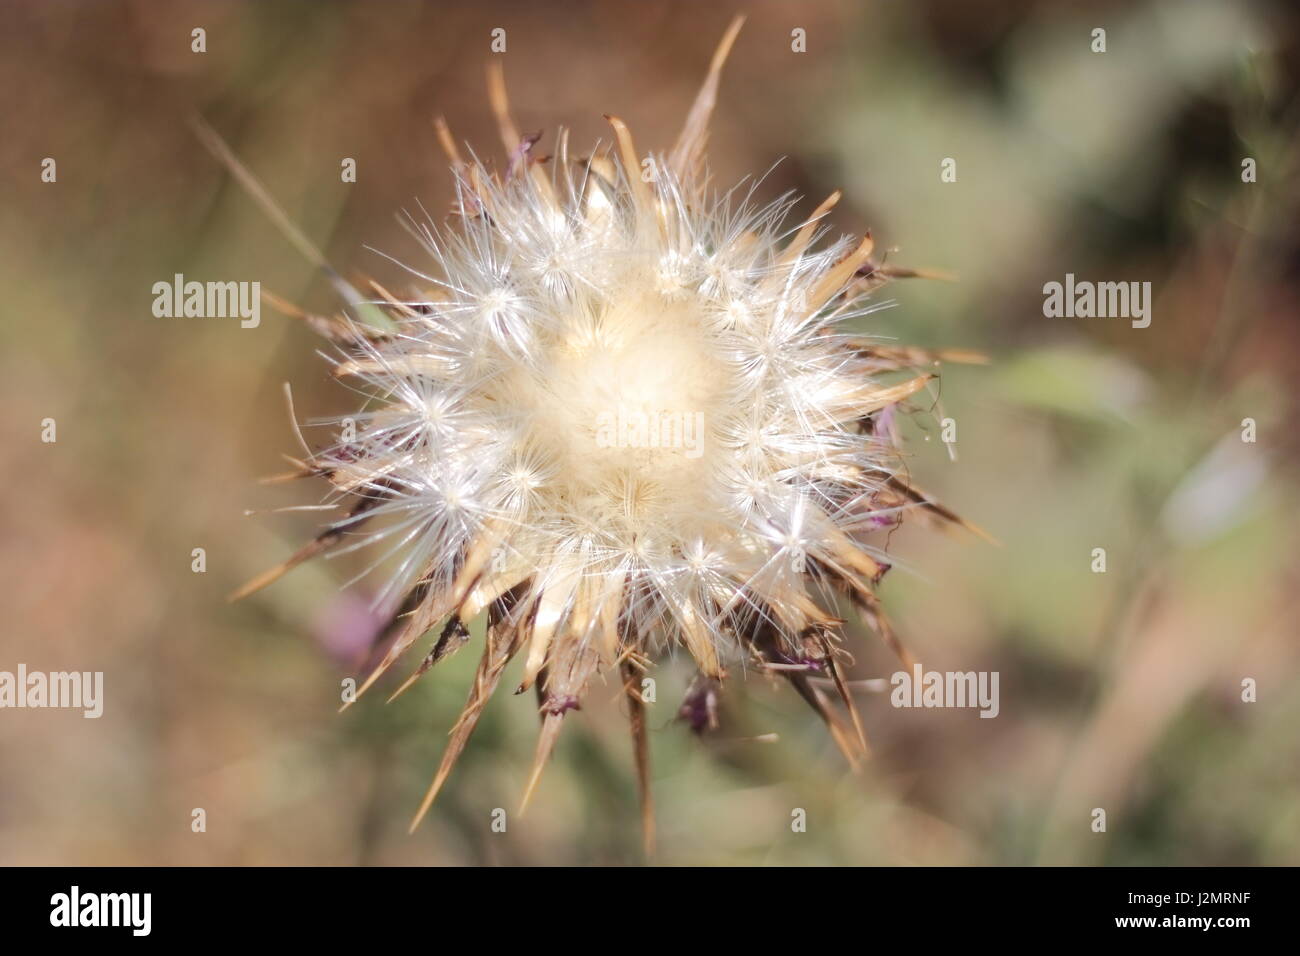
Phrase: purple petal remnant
x=347 y=628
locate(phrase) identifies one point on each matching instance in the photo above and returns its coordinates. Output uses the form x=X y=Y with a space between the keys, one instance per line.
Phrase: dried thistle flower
x=622 y=418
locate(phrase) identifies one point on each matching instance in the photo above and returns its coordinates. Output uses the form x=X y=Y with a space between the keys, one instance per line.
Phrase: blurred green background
x=1119 y=690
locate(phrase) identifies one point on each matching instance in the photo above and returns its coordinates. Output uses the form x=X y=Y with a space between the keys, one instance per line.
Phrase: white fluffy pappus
x=622 y=416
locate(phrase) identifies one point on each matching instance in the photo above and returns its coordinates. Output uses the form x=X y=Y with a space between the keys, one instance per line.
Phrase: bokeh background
x=1119 y=690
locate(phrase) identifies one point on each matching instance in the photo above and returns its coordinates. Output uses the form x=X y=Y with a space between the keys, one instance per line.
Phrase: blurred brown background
x=1119 y=690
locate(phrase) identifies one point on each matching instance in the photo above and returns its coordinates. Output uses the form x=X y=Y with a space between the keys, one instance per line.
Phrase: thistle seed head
x=623 y=417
